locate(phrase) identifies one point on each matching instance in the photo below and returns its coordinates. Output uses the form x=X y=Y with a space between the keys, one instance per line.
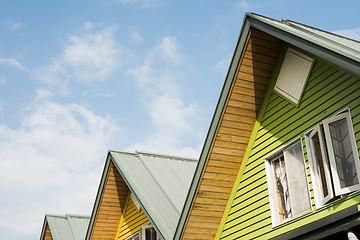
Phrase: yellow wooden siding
x=232 y=135
x=132 y=220
x=111 y=206
x=328 y=91
x=47 y=235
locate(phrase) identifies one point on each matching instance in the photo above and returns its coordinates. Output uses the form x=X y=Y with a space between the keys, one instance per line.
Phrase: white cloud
x=166 y=52
x=143 y=3
x=12 y=25
x=43 y=94
x=92 y=56
x=136 y=37
x=51 y=164
x=13 y=62
x=87 y=57
x=244 y=5
x=173 y=118
x=248 y=6
x=88 y=26
x=222 y=65
x=2 y=80
x=350 y=33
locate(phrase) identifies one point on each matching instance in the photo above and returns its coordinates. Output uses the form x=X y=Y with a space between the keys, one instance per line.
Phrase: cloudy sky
x=80 y=77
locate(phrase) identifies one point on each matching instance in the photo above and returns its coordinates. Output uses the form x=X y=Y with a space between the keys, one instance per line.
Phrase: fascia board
x=213 y=125
x=302 y=42
x=98 y=197
x=43 y=229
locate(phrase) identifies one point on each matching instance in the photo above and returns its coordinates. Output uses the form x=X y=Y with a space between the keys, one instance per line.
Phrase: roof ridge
x=55 y=215
x=122 y=152
x=76 y=215
x=167 y=156
x=321 y=30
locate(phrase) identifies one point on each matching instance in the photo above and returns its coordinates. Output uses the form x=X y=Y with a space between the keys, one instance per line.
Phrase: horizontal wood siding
x=47 y=235
x=132 y=221
x=328 y=91
x=111 y=206
x=233 y=132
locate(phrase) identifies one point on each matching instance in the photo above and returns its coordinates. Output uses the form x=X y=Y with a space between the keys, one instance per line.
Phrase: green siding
x=328 y=91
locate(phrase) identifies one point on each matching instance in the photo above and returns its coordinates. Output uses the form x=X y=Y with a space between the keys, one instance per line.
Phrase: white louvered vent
x=293 y=74
x=135 y=201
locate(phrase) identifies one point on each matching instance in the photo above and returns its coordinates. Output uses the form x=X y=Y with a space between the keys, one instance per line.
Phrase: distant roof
x=160 y=183
x=68 y=227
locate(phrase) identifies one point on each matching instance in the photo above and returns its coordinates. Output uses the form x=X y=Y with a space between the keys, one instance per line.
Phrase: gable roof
x=68 y=227
x=159 y=183
x=339 y=50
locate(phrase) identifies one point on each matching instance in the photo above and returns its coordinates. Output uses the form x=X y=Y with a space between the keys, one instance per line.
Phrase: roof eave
x=302 y=41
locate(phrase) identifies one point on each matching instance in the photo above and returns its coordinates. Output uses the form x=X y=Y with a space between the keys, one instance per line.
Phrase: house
x=68 y=227
x=281 y=158
x=140 y=196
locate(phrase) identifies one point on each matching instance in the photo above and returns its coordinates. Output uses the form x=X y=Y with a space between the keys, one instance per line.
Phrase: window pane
x=136 y=236
x=320 y=164
x=282 y=190
x=150 y=234
x=344 y=157
x=297 y=179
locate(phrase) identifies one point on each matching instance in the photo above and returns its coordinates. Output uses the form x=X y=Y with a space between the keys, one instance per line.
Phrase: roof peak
x=66 y=215
x=158 y=155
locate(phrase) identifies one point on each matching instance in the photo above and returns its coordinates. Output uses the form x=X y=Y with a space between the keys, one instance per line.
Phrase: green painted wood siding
x=328 y=91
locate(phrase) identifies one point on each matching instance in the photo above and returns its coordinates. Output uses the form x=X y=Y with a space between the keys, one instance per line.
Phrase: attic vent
x=293 y=74
x=135 y=201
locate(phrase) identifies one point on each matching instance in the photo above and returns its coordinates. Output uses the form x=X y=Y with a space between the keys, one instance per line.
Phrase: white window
x=148 y=232
x=136 y=236
x=339 y=173
x=320 y=168
x=293 y=74
x=287 y=183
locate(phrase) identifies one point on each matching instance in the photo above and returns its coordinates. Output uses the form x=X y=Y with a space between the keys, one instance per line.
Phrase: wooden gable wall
x=47 y=235
x=111 y=206
x=328 y=91
x=232 y=135
x=133 y=219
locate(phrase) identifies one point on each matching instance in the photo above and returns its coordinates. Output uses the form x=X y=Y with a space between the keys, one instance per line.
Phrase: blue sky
x=80 y=77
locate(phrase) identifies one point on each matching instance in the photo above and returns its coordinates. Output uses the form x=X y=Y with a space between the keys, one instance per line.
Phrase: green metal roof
x=68 y=227
x=339 y=50
x=159 y=183
x=342 y=51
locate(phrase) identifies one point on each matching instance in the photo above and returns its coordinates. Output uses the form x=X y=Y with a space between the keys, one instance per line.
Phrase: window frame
x=345 y=115
x=132 y=237
x=269 y=167
x=326 y=146
x=143 y=231
x=314 y=171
